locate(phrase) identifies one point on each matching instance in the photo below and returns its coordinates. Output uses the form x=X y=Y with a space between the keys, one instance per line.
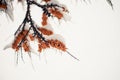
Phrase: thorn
x=29 y=54
x=22 y=56
x=110 y=3
x=72 y=56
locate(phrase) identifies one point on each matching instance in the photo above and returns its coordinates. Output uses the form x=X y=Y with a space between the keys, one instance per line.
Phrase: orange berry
x=4 y=6
x=57 y=44
x=26 y=46
x=31 y=37
x=44 y=19
x=56 y=13
x=45 y=31
x=46 y=0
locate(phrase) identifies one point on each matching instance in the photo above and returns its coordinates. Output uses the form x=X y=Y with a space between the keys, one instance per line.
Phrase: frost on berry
x=29 y=31
x=43 y=35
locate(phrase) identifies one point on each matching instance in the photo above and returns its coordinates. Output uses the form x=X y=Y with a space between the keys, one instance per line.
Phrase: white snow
x=66 y=17
x=7 y=46
x=55 y=37
x=27 y=26
x=48 y=27
x=9 y=10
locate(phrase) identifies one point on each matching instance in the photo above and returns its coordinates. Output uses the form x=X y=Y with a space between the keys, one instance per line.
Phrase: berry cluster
x=44 y=35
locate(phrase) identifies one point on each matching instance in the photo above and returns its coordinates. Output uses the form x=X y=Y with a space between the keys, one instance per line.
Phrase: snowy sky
x=92 y=35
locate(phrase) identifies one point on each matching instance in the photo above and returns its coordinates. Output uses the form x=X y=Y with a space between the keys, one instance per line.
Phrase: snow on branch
x=29 y=31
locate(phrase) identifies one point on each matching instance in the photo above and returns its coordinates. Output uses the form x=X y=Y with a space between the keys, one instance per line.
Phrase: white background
x=92 y=35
